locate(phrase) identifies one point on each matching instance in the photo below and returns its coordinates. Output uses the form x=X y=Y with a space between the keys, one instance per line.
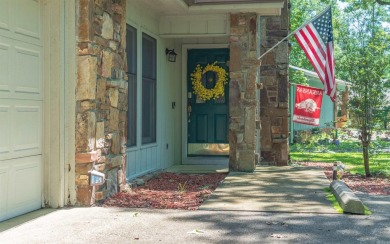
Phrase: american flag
x=316 y=40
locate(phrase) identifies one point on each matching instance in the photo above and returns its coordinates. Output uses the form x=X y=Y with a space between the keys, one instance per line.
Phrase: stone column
x=242 y=94
x=274 y=113
x=101 y=98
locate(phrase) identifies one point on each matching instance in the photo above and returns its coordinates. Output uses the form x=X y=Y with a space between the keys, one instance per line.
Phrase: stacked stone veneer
x=101 y=95
x=243 y=103
x=274 y=111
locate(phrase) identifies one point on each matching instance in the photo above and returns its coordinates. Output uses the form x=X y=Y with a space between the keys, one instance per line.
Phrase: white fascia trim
x=236 y=7
x=259 y=8
x=191 y=35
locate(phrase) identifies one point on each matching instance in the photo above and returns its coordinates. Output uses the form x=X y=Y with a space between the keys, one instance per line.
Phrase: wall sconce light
x=171 y=55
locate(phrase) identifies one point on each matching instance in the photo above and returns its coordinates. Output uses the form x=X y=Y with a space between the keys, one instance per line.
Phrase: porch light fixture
x=171 y=55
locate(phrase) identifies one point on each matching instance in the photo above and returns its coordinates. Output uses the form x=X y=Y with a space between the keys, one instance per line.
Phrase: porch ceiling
x=196 y=7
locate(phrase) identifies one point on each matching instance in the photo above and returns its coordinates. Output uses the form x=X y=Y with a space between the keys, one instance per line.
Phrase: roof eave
x=315 y=75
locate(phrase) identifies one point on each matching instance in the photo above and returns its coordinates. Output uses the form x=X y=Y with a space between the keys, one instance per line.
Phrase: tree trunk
x=365 y=143
x=366 y=161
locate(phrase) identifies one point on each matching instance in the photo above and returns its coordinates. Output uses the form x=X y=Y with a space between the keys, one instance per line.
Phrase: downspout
x=291 y=113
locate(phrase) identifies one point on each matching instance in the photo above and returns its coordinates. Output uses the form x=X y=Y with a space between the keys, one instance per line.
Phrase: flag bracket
x=292 y=33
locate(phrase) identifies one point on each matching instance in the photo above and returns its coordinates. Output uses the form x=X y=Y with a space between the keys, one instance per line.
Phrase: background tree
x=362 y=51
x=365 y=62
x=384 y=115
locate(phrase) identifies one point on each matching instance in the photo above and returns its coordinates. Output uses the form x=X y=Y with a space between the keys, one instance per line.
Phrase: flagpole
x=277 y=44
x=292 y=33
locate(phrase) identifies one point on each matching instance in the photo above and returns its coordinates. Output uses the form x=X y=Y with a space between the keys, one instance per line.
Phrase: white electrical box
x=97 y=178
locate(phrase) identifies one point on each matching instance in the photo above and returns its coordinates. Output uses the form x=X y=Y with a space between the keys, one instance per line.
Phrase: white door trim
x=185 y=159
x=69 y=102
x=59 y=104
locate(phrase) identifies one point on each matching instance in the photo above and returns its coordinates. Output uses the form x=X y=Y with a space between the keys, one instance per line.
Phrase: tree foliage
x=302 y=11
x=365 y=62
x=368 y=3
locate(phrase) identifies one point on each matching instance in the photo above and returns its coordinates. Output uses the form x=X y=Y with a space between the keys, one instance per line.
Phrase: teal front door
x=207 y=119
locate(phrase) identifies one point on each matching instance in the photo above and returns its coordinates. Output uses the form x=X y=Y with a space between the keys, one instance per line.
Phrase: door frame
x=185 y=159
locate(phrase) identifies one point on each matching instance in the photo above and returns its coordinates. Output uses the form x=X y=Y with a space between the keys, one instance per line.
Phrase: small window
x=149 y=89
x=131 y=53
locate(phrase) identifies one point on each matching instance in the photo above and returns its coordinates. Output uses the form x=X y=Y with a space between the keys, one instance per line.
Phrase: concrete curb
x=348 y=201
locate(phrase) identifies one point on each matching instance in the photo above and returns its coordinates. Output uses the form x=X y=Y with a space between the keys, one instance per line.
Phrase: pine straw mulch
x=169 y=191
x=361 y=183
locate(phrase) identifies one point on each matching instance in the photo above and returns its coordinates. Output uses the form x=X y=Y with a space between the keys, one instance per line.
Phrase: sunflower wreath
x=202 y=92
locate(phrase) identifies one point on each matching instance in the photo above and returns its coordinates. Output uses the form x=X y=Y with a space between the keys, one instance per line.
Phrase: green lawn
x=353 y=161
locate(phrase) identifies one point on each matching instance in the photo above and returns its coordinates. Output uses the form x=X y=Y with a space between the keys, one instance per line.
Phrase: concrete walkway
x=273 y=189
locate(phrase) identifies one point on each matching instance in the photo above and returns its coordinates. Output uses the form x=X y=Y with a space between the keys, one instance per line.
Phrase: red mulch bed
x=164 y=192
x=371 y=185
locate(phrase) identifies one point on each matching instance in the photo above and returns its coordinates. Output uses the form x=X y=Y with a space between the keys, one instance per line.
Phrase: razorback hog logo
x=309 y=105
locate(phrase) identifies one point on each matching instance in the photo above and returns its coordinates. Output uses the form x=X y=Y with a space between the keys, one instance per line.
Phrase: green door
x=207 y=120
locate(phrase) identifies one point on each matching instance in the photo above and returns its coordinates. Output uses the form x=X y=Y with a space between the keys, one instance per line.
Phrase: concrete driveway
x=273 y=189
x=115 y=225
x=299 y=214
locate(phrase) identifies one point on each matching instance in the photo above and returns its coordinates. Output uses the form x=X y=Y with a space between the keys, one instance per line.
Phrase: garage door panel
x=5 y=58
x=24 y=185
x=27 y=70
x=21 y=106
x=25 y=179
x=27 y=128
x=20 y=70
x=3 y=190
x=21 y=20
x=28 y=22
x=21 y=127
x=5 y=128
x=4 y=14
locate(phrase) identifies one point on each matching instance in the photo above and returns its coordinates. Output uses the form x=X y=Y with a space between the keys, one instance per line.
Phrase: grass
x=367 y=211
x=336 y=204
x=333 y=200
x=353 y=160
x=182 y=187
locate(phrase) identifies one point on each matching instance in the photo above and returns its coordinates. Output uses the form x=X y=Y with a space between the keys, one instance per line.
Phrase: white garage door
x=21 y=106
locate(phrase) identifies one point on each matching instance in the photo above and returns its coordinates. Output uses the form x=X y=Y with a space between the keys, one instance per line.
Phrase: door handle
x=189 y=110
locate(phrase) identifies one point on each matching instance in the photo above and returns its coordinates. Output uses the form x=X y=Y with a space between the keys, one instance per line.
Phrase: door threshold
x=198 y=169
x=204 y=160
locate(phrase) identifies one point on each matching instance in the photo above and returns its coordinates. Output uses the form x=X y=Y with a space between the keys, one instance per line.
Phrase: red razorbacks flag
x=316 y=39
x=308 y=101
